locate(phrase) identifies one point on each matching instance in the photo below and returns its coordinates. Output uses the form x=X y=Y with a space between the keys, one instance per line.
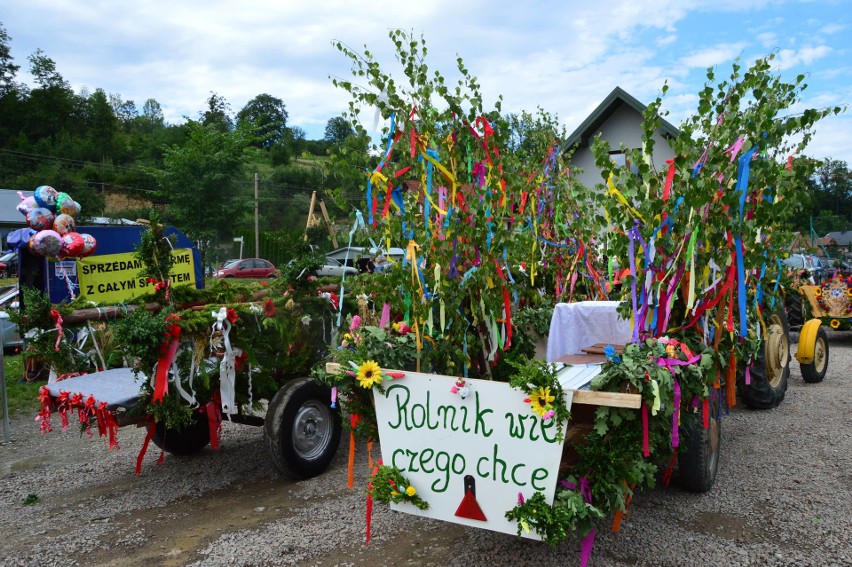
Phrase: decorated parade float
x=440 y=370
x=661 y=290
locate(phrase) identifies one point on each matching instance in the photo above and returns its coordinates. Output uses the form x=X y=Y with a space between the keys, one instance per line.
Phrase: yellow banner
x=114 y=278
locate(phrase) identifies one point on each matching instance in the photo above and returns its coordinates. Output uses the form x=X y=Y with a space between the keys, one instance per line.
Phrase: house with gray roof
x=618 y=120
x=10 y=218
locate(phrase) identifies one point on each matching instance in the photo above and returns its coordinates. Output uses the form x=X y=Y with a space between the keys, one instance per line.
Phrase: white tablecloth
x=575 y=326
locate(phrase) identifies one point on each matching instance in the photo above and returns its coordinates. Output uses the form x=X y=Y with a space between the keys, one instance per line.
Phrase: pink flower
x=356 y=323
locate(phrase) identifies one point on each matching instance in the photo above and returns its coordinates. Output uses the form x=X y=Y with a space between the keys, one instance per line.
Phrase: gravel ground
x=781 y=498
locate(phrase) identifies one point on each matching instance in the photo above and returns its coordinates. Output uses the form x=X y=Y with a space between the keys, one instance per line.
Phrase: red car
x=255 y=268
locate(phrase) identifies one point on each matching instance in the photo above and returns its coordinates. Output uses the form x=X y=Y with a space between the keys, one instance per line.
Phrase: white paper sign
x=489 y=443
x=65 y=268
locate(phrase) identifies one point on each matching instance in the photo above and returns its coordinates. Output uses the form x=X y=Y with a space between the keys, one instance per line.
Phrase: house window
x=621 y=160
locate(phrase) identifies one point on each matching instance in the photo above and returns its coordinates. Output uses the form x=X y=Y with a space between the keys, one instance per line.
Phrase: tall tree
x=199 y=181
x=51 y=107
x=8 y=69
x=337 y=129
x=101 y=124
x=267 y=117
x=218 y=113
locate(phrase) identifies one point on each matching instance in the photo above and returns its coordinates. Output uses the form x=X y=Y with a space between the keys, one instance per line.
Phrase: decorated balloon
x=89 y=245
x=40 y=219
x=66 y=205
x=47 y=243
x=45 y=196
x=26 y=205
x=72 y=244
x=69 y=207
x=64 y=223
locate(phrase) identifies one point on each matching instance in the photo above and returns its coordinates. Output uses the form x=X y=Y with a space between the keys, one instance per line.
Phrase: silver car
x=9 y=335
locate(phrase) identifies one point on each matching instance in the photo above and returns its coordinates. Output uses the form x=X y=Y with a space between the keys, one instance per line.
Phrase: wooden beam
x=328 y=224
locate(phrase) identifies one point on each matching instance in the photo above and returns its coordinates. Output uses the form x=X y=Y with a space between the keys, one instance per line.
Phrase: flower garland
x=388 y=485
x=546 y=399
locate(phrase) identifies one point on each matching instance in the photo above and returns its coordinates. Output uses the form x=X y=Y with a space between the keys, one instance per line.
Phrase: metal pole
x=256 y=217
x=7 y=434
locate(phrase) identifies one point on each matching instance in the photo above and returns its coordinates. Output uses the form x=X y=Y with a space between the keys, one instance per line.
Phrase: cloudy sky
x=564 y=56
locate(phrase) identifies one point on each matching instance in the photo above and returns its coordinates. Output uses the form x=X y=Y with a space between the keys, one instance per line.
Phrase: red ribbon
x=144 y=448
x=57 y=321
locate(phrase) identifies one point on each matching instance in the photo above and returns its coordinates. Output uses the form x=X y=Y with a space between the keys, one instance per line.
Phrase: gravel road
x=781 y=498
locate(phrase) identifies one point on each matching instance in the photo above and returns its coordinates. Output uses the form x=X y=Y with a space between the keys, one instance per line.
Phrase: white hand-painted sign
x=467 y=457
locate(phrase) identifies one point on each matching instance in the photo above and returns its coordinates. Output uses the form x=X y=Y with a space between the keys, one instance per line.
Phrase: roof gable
x=591 y=125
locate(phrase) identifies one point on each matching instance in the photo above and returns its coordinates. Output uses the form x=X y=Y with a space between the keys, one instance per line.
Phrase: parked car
x=9 y=330
x=9 y=265
x=335 y=268
x=256 y=268
x=811 y=264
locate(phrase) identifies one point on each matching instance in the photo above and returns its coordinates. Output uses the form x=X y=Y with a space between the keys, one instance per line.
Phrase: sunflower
x=834 y=324
x=818 y=292
x=849 y=292
x=369 y=374
x=540 y=401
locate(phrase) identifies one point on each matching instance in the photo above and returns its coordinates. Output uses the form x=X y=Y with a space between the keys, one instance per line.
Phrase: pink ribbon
x=589 y=541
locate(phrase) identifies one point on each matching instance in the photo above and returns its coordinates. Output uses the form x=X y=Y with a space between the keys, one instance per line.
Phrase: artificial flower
x=232 y=315
x=540 y=401
x=835 y=324
x=356 y=323
x=410 y=491
x=369 y=374
x=269 y=308
x=818 y=292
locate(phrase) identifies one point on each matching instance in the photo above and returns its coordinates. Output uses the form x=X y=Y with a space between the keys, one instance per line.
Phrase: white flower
x=256 y=308
x=306 y=320
x=464 y=392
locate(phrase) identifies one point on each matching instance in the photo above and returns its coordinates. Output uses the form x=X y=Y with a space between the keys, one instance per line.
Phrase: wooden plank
x=609 y=399
x=598 y=348
x=588 y=397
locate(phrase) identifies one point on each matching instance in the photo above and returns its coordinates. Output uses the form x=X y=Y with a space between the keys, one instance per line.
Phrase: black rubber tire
x=698 y=457
x=302 y=430
x=814 y=372
x=185 y=441
x=795 y=312
x=768 y=380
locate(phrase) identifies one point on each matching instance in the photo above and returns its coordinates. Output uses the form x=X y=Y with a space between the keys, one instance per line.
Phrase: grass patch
x=23 y=396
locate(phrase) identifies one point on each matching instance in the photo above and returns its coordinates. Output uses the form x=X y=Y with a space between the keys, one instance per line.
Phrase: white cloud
x=789 y=58
x=713 y=56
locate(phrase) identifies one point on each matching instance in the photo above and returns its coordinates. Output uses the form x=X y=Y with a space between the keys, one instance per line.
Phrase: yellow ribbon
x=612 y=190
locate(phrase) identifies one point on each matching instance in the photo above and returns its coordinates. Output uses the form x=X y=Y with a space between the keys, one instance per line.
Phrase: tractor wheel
x=815 y=371
x=795 y=312
x=698 y=457
x=771 y=368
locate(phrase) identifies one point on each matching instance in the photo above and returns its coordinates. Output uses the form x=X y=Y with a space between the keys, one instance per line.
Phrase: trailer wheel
x=186 y=440
x=698 y=459
x=815 y=371
x=302 y=430
x=771 y=368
